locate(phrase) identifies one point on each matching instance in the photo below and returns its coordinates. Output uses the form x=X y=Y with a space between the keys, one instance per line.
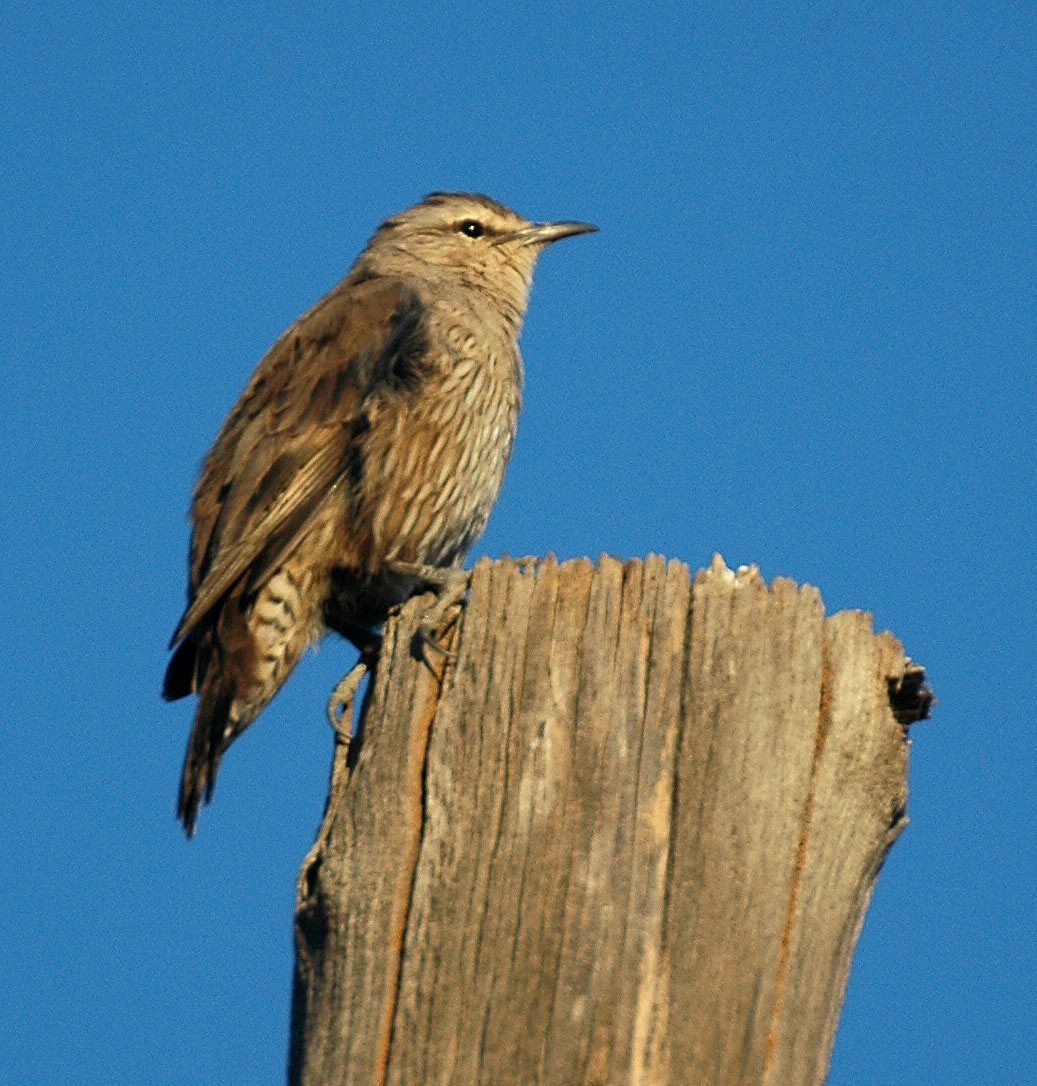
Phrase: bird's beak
x=544 y=233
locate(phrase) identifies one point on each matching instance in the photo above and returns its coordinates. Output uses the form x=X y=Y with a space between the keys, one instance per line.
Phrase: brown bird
x=358 y=466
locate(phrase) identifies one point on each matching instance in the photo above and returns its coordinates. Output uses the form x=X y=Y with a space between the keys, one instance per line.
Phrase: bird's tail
x=189 y=672
x=236 y=662
x=197 y=667
x=212 y=732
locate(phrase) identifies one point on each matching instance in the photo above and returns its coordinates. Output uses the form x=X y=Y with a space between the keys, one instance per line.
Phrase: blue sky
x=805 y=337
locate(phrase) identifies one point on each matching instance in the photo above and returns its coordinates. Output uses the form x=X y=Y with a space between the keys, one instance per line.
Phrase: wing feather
x=286 y=446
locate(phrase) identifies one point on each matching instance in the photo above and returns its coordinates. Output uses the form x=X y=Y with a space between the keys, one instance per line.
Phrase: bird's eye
x=472 y=229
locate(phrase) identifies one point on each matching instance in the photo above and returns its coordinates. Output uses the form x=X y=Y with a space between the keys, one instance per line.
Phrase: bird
x=358 y=466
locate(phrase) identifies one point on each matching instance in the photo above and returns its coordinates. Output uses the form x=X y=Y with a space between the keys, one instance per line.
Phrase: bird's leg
x=341 y=700
x=451 y=585
x=342 y=696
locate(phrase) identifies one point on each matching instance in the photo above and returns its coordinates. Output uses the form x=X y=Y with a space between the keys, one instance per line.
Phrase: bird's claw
x=433 y=627
x=451 y=586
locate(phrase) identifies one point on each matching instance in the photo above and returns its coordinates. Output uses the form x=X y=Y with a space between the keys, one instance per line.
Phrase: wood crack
x=417 y=793
x=824 y=722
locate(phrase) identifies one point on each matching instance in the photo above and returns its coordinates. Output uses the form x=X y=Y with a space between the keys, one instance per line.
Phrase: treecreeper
x=358 y=466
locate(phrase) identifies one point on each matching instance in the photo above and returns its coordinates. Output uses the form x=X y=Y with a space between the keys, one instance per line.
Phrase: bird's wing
x=286 y=446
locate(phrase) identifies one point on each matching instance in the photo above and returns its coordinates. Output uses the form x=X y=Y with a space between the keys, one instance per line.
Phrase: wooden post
x=629 y=838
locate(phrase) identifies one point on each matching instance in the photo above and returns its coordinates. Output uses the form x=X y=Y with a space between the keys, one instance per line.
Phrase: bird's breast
x=434 y=459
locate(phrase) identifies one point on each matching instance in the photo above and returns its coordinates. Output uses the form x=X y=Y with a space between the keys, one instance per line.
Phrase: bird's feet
x=451 y=586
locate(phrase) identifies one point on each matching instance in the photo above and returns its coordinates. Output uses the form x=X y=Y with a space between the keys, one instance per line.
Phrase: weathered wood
x=631 y=838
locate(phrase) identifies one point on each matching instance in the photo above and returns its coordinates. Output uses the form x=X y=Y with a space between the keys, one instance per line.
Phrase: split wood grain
x=630 y=837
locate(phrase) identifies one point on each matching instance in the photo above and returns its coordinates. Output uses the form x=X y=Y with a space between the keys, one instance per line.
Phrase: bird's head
x=466 y=240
